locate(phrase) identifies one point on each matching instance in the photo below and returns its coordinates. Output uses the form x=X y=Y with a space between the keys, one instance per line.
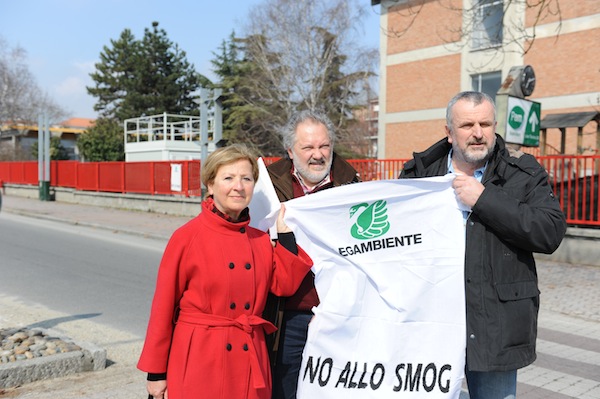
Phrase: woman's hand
x=157 y=389
x=281 y=226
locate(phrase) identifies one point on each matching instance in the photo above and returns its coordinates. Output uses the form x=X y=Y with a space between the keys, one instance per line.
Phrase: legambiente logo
x=372 y=221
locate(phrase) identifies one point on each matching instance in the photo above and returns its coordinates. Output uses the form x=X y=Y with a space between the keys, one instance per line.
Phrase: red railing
x=378 y=169
x=369 y=169
x=152 y=178
x=575 y=182
x=574 y=178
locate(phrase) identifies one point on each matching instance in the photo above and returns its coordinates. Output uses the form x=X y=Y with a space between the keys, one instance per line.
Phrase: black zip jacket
x=516 y=215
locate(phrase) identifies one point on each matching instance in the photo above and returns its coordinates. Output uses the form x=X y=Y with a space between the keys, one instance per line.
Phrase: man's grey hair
x=288 y=132
x=475 y=97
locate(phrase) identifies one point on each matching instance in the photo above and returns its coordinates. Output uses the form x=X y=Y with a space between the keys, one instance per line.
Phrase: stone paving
x=568 y=364
x=120 y=379
x=18 y=344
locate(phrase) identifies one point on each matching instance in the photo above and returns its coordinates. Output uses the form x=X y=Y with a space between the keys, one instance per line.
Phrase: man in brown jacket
x=311 y=166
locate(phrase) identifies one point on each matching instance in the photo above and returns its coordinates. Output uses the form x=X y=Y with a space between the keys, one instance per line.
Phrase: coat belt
x=245 y=323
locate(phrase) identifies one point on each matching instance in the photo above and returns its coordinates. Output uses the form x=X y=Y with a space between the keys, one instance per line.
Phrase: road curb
x=100 y=226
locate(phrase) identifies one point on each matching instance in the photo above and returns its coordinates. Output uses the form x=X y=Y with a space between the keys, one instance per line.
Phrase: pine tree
x=226 y=65
x=251 y=111
x=115 y=75
x=144 y=77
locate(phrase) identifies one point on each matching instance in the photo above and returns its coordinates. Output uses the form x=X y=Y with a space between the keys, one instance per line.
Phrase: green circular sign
x=516 y=117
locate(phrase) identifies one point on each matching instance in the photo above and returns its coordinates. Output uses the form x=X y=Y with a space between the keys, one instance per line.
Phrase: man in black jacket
x=514 y=214
x=311 y=166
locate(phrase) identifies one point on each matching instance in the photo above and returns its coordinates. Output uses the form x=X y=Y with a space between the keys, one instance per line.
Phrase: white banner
x=389 y=265
x=264 y=206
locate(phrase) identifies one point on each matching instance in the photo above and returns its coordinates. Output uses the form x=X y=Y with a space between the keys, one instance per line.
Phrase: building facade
x=432 y=49
x=17 y=139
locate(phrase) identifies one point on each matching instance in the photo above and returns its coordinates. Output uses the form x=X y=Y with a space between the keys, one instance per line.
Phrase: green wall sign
x=523 y=122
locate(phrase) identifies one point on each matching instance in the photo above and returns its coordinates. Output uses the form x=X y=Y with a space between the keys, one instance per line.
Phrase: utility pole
x=44 y=157
x=209 y=99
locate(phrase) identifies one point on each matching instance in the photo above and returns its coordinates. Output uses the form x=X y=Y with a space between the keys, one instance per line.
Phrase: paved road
x=568 y=364
x=79 y=270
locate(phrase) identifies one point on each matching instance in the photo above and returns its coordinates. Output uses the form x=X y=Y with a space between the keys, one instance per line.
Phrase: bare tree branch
x=307 y=57
x=21 y=99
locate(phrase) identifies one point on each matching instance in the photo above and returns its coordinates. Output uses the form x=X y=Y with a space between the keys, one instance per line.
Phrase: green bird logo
x=371 y=222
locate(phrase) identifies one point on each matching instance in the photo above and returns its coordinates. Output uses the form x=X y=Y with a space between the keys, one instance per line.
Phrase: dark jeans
x=492 y=384
x=289 y=357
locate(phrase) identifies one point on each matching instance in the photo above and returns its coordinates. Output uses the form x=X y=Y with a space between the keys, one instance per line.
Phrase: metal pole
x=40 y=143
x=43 y=157
x=218 y=116
x=47 y=150
x=165 y=130
x=203 y=125
x=203 y=133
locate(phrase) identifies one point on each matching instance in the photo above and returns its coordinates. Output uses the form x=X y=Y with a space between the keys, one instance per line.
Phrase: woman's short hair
x=225 y=156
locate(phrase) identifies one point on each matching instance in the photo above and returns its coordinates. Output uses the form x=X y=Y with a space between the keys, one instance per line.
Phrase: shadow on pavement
x=58 y=320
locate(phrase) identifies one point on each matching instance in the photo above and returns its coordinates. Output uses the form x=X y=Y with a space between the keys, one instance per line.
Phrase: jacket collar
x=341 y=172
x=220 y=222
x=434 y=160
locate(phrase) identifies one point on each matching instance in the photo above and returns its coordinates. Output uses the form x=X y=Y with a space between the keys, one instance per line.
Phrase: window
x=487 y=23
x=487 y=83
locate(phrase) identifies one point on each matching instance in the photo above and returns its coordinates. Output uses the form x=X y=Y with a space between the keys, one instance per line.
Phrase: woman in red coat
x=206 y=337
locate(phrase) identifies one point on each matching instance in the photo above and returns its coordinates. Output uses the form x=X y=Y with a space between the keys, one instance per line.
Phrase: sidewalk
x=568 y=364
x=147 y=224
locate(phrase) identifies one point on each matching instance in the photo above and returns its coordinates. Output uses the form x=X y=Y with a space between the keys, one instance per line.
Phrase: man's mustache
x=477 y=142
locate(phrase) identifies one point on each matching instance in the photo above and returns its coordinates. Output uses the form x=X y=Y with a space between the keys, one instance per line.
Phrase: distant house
x=364 y=141
x=17 y=139
x=425 y=61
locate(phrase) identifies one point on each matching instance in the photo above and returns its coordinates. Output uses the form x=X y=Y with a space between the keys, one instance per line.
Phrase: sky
x=64 y=38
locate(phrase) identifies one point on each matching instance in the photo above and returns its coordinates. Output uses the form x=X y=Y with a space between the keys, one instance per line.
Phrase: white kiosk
x=168 y=137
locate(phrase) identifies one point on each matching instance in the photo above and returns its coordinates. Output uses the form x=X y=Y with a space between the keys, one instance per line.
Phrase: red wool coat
x=213 y=280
